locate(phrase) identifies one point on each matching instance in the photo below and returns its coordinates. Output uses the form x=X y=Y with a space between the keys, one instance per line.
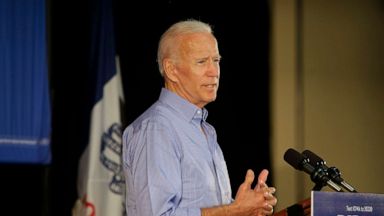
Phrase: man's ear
x=170 y=70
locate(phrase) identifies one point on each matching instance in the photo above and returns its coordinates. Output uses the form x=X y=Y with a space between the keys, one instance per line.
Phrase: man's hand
x=257 y=201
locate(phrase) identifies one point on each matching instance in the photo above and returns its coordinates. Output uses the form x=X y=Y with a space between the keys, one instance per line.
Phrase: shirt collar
x=186 y=108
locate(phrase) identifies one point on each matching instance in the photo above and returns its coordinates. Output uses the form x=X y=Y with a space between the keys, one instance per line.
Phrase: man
x=173 y=164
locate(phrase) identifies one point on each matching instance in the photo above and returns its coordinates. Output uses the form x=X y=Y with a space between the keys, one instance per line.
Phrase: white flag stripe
x=100 y=187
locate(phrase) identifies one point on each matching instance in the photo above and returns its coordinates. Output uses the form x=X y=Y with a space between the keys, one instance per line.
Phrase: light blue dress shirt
x=171 y=166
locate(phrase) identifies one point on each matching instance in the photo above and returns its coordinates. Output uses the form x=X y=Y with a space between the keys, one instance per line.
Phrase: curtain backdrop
x=25 y=115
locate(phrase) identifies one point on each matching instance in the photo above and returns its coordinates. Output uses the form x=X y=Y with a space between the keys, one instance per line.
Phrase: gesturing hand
x=257 y=201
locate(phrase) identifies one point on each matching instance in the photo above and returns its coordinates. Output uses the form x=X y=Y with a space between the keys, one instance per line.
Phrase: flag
x=101 y=183
x=25 y=112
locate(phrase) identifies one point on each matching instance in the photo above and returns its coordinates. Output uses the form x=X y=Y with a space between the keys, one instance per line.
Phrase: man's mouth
x=211 y=85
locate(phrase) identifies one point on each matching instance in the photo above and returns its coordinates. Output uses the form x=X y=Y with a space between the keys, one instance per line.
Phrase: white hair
x=169 y=38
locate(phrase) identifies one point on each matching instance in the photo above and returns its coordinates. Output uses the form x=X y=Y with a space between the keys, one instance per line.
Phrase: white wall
x=328 y=91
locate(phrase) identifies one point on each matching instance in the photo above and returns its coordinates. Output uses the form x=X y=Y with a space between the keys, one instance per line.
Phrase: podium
x=344 y=204
x=302 y=208
x=337 y=204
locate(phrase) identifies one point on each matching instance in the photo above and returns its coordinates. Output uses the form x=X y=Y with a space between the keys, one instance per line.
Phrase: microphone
x=318 y=175
x=332 y=172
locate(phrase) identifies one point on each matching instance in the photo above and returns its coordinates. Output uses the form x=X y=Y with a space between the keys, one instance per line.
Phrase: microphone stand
x=335 y=174
x=321 y=179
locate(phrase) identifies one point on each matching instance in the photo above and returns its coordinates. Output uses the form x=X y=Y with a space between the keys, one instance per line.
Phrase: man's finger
x=249 y=177
x=263 y=176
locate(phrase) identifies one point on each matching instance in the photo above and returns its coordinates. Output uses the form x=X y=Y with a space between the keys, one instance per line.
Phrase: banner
x=326 y=203
x=101 y=183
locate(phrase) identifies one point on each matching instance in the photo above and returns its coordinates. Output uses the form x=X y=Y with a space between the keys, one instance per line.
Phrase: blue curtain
x=25 y=115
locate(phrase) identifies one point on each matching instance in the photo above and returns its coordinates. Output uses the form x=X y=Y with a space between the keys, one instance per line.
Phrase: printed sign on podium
x=346 y=204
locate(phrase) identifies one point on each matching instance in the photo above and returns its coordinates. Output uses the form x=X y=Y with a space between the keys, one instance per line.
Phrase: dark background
x=240 y=114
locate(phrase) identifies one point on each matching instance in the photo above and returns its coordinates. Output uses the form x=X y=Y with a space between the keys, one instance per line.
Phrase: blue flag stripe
x=103 y=50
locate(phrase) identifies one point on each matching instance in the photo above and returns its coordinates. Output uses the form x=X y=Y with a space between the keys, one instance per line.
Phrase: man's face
x=197 y=69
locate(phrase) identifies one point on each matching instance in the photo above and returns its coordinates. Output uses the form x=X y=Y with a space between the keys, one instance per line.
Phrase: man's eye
x=201 y=61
